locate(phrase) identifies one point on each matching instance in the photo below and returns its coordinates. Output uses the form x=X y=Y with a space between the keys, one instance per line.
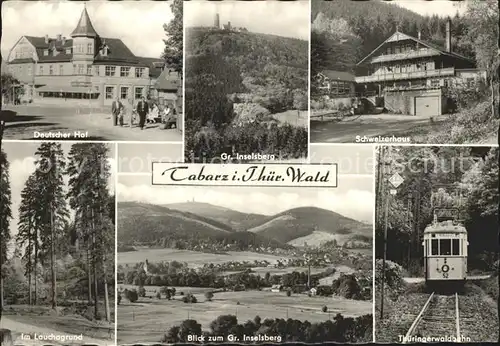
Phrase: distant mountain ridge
x=296 y=226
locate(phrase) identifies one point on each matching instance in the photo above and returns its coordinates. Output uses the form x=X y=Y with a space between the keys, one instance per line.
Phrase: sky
x=428 y=8
x=138 y=23
x=354 y=196
x=289 y=19
x=22 y=164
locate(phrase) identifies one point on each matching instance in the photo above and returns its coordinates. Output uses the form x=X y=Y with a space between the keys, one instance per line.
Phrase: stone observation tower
x=216 y=21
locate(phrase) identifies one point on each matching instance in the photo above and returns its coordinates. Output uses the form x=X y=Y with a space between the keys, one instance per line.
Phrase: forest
x=344 y=32
x=463 y=178
x=236 y=82
x=339 y=329
x=62 y=253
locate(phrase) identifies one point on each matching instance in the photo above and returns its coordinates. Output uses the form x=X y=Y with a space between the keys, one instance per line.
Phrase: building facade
x=411 y=75
x=84 y=67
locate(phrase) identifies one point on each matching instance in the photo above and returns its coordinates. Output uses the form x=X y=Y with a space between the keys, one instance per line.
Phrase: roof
x=168 y=80
x=21 y=61
x=155 y=65
x=118 y=51
x=338 y=75
x=424 y=43
x=84 y=27
x=445 y=227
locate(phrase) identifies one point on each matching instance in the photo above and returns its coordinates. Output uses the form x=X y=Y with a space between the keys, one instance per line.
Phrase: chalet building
x=86 y=66
x=410 y=75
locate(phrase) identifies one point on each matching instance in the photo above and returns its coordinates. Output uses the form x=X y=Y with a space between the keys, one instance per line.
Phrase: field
x=193 y=258
x=149 y=319
x=280 y=271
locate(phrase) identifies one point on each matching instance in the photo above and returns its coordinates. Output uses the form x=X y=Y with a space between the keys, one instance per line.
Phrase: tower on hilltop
x=216 y=21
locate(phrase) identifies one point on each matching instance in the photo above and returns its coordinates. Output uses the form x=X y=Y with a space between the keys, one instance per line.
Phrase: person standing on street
x=116 y=110
x=142 y=110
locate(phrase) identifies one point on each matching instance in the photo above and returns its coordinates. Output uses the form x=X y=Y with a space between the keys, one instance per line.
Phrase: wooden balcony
x=420 y=53
x=389 y=77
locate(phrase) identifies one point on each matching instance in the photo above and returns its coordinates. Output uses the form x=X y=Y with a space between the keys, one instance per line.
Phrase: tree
x=174 y=43
x=49 y=176
x=209 y=295
x=9 y=83
x=28 y=230
x=88 y=193
x=5 y=212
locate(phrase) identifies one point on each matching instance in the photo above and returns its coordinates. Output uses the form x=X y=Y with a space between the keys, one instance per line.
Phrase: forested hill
x=356 y=28
x=248 y=50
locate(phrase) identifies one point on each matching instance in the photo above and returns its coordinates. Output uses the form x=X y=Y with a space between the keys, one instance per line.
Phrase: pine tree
x=52 y=204
x=89 y=197
x=5 y=213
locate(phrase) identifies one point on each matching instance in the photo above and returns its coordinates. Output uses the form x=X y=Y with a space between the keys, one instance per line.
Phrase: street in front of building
x=61 y=122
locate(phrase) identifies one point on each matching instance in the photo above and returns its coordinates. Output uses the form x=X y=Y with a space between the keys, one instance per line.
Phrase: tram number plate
x=445 y=275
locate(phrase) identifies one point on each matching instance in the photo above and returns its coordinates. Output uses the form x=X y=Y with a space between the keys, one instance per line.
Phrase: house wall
x=404 y=101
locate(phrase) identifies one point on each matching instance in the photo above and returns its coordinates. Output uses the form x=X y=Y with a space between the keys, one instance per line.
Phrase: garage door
x=427 y=105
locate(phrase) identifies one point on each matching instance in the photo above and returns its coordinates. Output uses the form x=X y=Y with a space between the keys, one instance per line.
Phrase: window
x=124 y=93
x=29 y=70
x=435 y=83
x=110 y=71
x=434 y=247
x=124 y=71
x=81 y=69
x=138 y=92
x=46 y=52
x=109 y=92
x=51 y=70
x=89 y=48
x=139 y=72
x=61 y=70
x=455 y=247
x=74 y=69
x=445 y=247
x=68 y=50
x=41 y=70
x=96 y=70
x=89 y=70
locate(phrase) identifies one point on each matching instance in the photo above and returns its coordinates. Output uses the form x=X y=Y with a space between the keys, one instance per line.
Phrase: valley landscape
x=202 y=269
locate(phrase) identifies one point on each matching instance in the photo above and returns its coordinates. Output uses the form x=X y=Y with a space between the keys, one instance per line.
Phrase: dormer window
x=46 y=52
x=54 y=52
x=105 y=51
x=68 y=50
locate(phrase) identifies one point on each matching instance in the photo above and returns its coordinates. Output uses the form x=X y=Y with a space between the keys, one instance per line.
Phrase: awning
x=66 y=89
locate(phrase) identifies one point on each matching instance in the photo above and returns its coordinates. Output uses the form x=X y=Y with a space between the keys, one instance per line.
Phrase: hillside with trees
x=465 y=176
x=245 y=93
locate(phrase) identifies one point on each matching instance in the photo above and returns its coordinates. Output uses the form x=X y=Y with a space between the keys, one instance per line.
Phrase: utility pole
x=385 y=196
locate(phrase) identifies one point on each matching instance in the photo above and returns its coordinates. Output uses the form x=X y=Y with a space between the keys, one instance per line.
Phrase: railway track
x=438 y=319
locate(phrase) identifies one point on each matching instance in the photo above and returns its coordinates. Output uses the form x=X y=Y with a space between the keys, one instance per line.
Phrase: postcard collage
x=249 y=172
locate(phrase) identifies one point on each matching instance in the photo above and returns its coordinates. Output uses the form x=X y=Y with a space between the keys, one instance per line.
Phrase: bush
x=189 y=298
x=132 y=295
x=394 y=274
x=288 y=293
x=209 y=295
x=324 y=308
x=119 y=299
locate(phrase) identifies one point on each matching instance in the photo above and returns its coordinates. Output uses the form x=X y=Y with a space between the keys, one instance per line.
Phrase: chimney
x=59 y=37
x=46 y=39
x=448 y=35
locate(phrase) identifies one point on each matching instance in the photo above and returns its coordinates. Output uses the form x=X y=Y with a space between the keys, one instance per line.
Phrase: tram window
x=434 y=244
x=456 y=247
x=445 y=247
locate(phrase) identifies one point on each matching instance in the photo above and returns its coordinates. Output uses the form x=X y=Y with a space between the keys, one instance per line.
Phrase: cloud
x=138 y=23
